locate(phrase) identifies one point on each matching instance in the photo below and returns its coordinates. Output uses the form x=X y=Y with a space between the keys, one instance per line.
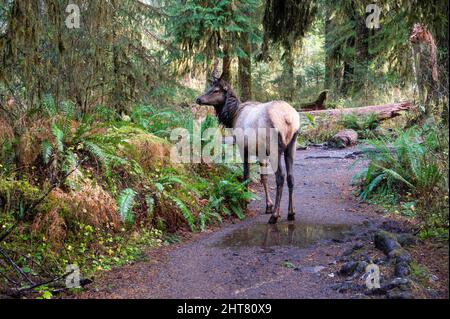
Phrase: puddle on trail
x=284 y=234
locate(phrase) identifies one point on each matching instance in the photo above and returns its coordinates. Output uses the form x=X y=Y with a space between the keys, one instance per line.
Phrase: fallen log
x=383 y=112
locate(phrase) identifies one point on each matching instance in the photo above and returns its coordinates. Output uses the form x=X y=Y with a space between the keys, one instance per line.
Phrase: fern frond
x=184 y=211
x=46 y=150
x=125 y=204
x=59 y=137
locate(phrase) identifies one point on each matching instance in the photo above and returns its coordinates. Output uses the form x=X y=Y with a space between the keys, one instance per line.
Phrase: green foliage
x=363 y=125
x=159 y=122
x=16 y=195
x=413 y=165
x=125 y=204
x=228 y=196
x=199 y=28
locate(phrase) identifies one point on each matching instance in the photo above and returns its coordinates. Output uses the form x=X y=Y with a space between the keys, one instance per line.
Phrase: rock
x=407 y=239
x=400 y=255
x=376 y=291
x=402 y=269
x=352 y=249
x=433 y=278
x=399 y=294
x=343 y=139
x=379 y=261
x=348 y=268
x=400 y=283
x=386 y=241
x=347 y=286
x=361 y=267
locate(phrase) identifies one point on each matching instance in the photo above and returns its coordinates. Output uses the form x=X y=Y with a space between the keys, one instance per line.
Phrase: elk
x=251 y=115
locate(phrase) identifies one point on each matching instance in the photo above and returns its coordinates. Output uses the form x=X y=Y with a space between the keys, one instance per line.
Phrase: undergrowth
x=411 y=171
x=94 y=190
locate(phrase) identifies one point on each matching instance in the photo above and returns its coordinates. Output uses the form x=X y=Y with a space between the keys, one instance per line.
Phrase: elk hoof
x=273 y=220
x=291 y=217
x=269 y=209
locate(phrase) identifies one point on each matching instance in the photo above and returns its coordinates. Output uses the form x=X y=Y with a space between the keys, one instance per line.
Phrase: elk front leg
x=246 y=179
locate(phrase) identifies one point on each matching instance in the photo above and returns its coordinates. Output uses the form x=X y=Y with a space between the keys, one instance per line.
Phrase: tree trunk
x=362 y=54
x=347 y=77
x=330 y=53
x=288 y=75
x=226 y=73
x=245 y=69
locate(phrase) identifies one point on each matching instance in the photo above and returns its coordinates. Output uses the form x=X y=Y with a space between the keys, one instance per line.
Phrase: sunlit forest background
x=86 y=113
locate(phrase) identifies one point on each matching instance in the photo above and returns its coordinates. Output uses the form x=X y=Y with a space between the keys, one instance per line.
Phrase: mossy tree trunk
x=245 y=69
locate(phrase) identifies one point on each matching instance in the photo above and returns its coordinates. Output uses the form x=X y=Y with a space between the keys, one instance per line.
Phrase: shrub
x=364 y=125
x=414 y=166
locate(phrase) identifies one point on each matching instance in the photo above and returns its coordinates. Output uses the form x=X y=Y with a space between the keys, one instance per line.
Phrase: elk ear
x=224 y=85
x=216 y=62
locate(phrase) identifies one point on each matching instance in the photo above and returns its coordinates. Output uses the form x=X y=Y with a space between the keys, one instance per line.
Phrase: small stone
x=361 y=268
x=379 y=261
x=348 y=268
x=402 y=270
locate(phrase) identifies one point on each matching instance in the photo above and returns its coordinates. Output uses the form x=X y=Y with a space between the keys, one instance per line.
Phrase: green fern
x=59 y=137
x=185 y=211
x=125 y=204
x=46 y=150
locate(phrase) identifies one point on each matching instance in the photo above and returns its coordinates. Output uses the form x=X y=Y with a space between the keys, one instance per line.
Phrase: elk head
x=216 y=95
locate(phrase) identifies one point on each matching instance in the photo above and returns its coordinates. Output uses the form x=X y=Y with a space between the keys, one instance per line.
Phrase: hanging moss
x=103 y=62
x=287 y=21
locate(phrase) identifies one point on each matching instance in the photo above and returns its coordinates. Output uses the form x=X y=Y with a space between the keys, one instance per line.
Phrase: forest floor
x=301 y=259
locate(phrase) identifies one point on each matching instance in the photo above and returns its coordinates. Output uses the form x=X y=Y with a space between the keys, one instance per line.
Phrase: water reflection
x=283 y=234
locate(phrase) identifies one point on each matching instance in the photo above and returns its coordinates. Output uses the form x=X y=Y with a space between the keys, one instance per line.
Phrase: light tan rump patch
x=285 y=119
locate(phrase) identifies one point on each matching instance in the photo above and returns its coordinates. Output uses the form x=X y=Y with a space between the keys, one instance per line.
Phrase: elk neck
x=228 y=112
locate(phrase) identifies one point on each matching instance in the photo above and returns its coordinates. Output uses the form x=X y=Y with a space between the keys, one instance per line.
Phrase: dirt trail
x=252 y=259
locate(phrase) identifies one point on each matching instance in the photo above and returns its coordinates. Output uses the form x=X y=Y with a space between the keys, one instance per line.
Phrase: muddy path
x=251 y=259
